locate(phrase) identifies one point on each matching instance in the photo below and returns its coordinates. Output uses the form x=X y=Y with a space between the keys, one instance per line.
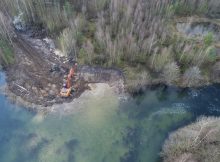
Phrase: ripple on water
x=194 y=93
x=176 y=108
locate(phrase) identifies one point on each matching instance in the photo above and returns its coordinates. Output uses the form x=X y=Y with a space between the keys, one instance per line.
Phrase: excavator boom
x=66 y=91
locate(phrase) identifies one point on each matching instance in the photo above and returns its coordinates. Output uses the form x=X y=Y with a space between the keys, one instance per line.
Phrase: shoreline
x=118 y=87
x=96 y=90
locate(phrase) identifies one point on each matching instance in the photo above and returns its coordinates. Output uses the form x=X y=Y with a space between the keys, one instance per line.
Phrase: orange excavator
x=67 y=86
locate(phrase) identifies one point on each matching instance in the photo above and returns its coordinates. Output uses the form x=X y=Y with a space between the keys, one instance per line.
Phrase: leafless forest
x=136 y=36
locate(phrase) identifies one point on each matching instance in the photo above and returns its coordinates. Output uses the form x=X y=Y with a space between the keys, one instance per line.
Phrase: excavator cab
x=65 y=92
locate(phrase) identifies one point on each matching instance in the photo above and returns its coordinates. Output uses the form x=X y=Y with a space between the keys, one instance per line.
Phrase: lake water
x=105 y=130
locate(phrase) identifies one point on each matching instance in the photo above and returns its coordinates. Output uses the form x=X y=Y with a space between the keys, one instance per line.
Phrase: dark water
x=105 y=130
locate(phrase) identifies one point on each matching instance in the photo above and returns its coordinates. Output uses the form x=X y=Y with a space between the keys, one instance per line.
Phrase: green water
x=104 y=130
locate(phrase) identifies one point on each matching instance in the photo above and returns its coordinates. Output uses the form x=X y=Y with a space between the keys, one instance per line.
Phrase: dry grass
x=122 y=33
x=6 y=34
x=199 y=141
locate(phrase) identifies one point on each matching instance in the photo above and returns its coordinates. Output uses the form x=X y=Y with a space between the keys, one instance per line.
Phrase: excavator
x=67 y=86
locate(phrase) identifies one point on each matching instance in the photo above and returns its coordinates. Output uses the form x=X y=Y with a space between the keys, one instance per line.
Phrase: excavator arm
x=66 y=91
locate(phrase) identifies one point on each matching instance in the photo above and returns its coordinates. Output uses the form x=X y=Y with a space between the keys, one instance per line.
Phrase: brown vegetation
x=198 y=142
x=135 y=33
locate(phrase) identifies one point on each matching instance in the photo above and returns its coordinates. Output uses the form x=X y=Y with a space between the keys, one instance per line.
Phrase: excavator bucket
x=65 y=92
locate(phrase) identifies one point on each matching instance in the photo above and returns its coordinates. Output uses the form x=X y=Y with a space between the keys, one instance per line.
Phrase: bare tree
x=131 y=27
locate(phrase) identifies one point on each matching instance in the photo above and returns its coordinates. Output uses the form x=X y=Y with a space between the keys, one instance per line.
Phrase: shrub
x=158 y=61
x=68 y=9
x=136 y=78
x=208 y=39
x=181 y=8
x=183 y=52
x=67 y=41
x=53 y=18
x=204 y=56
x=48 y=13
x=88 y=49
x=190 y=7
x=130 y=30
x=211 y=54
x=90 y=29
x=203 y=8
x=82 y=56
x=6 y=34
x=192 y=54
x=214 y=73
x=192 y=77
x=199 y=141
x=171 y=73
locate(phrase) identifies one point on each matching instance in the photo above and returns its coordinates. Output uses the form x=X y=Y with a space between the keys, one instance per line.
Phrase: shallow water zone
x=105 y=129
